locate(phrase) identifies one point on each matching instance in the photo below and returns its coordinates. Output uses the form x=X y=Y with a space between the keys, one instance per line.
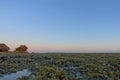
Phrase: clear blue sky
x=61 y=25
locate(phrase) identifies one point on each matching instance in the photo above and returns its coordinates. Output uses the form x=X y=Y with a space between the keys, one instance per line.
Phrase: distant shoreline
x=60 y=53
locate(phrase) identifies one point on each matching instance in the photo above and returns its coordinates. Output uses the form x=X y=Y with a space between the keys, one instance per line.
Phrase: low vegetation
x=62 y=66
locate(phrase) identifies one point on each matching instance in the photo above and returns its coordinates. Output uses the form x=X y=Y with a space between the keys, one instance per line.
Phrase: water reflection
x=14 y=76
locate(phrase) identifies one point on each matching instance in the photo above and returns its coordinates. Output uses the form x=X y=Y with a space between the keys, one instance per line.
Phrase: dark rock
x=21 y=48
x=4 y=48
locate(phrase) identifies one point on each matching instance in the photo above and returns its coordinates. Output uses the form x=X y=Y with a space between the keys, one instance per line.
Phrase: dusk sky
x=61 y=25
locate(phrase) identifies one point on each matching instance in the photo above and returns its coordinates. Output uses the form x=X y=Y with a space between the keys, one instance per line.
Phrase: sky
x=61 y=25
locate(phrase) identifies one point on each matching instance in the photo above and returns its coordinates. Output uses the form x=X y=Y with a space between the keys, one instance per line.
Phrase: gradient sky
x=61 y=25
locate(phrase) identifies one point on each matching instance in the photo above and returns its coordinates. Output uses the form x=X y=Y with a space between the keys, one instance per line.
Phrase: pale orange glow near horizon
x=63 y=48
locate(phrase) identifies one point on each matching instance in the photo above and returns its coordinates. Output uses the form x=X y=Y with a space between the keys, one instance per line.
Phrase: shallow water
x=14 y=76
x=76 y=71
